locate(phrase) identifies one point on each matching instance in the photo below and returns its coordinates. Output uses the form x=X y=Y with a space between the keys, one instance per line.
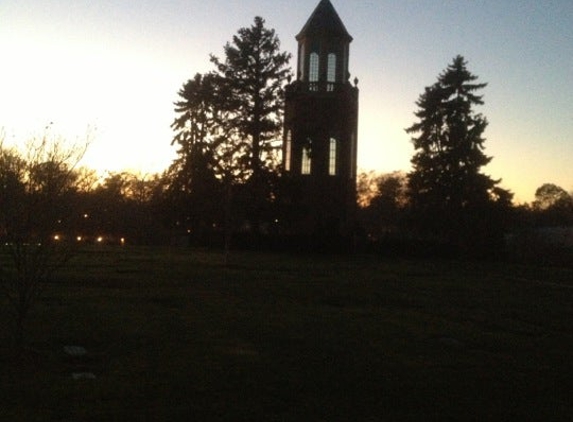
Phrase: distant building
x=320 y=129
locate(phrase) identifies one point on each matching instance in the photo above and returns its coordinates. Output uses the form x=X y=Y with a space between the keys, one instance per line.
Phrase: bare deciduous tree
x=37 y=186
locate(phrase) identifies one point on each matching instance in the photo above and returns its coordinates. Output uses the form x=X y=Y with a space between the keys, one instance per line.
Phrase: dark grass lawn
x=171 y=335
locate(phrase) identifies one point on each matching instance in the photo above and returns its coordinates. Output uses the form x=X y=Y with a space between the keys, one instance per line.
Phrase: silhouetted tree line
x=388 y=222
x=51 y=200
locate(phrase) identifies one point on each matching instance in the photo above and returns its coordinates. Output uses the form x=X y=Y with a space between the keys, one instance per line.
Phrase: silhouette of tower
x=320 y=129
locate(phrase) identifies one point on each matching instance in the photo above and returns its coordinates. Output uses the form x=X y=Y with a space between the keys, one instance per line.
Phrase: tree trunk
x=228 y=228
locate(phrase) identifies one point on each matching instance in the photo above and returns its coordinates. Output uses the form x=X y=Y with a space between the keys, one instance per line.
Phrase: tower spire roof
x=324 y=19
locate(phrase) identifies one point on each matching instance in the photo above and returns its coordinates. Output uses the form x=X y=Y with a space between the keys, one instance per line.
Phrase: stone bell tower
x=320 y=129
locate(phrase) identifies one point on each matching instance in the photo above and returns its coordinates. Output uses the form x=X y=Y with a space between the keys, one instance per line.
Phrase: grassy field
x=171 y=335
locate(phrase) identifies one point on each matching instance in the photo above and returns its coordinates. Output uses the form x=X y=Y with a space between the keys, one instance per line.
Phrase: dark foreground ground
x=171 y=335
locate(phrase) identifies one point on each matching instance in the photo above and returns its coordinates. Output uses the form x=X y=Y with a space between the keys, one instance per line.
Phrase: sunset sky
x=115 y=66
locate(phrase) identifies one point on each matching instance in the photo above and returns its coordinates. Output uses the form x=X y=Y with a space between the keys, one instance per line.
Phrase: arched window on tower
x=313 y=71
x=332 y=157
x=331 y=72
x=288 y=150
x=301 y=62
x=306 y=161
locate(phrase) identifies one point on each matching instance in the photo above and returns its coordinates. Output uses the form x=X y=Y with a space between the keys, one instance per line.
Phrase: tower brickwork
x=320 y=128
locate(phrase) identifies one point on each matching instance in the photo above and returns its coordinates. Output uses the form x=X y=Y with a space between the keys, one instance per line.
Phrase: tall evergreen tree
x=256 y=71
x=194 y=188
x=446 y=187
x=194 y=124
x=229 y=126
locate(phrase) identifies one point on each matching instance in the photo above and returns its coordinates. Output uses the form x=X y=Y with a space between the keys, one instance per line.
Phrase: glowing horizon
x=116 y=67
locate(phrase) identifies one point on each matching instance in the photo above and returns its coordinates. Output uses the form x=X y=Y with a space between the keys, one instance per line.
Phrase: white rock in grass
x=83 y=376
x=451 y=342
x=75 y=351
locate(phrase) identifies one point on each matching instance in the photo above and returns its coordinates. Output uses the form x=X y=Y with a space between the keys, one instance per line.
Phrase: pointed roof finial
x=324 y=19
